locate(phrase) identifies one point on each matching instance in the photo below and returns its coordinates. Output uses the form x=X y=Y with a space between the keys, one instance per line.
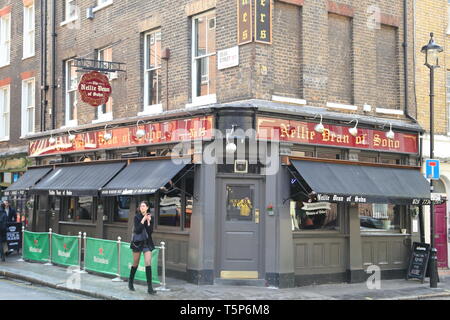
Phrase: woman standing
x=142 y=242
x=3 y=226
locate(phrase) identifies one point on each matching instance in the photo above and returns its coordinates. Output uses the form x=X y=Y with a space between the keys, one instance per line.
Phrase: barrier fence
x=101 y=256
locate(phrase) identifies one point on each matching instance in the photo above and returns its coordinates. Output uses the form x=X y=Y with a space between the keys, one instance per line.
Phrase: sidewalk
x=104 y=288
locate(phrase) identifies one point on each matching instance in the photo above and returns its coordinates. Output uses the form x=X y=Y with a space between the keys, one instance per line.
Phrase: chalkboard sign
x=14 y=236
x=419 y=261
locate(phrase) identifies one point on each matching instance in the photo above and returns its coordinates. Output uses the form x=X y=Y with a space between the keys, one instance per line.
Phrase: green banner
x=101 y=256
x=36 y=246
x=65 y=250
x=126 y=261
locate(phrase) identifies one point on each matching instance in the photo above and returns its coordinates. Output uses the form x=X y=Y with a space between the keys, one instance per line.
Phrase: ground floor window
x=380 y=216
x=314 y=216
x=78 y=209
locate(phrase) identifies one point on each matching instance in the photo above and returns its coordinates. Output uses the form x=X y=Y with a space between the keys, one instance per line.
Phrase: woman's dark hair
x=146 y=203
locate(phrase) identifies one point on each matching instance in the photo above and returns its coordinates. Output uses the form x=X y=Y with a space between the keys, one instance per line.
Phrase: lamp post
x=431 y=51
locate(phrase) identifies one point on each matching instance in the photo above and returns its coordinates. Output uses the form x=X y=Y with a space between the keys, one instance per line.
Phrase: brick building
x=433 y=16
x=20 y=58
x=238 y=217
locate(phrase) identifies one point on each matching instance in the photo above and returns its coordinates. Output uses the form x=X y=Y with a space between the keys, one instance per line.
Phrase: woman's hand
x=144 y=218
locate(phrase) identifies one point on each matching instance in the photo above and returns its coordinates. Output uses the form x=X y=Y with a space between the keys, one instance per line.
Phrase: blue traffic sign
x=433 y=169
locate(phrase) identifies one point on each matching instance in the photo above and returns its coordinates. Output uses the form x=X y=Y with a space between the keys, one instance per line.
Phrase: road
x=19 y=290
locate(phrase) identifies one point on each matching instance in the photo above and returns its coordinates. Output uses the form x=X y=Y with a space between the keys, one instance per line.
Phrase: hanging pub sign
x=174 y=131
x=245 y=27
x=335 y=136
x=94 y=88
x=263 y=21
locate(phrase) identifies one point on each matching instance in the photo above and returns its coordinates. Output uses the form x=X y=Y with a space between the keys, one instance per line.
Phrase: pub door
x=440 y=214
x=241 y=223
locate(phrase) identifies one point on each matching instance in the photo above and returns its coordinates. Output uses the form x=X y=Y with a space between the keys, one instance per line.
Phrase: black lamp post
x=431 y=51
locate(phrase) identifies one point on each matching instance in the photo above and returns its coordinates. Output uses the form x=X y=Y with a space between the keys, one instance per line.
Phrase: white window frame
x=29 y=32
x=5 y=40
x=28 y=107
x=101 y=4
x=210 y=98
x=68 y=89
x=68 y=17
x=156 y=108
x=5 y=103
x=108 y=116
x=448 y=100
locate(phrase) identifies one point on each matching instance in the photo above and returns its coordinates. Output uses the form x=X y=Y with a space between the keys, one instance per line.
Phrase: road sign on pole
x=433 y=169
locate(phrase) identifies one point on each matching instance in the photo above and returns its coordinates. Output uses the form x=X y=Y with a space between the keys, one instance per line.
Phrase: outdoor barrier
x=36 y=246
x=100 y=256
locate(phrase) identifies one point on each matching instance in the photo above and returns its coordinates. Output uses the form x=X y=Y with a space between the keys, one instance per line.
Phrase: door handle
x=257 y=214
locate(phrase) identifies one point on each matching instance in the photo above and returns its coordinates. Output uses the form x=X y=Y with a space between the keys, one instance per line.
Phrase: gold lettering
x=263 y=17
x=244 y=2
x=376 y=140
x=284 y=131
x=245 y=35
x=263 y=3
x=244 y=17
x=263 y=34
x=361 y=139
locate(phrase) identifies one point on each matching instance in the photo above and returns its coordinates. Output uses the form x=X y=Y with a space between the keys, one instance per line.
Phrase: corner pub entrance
x=292 y=206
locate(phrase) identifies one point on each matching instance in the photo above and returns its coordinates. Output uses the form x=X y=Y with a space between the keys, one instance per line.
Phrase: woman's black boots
x=148 y=273
x=131 y=278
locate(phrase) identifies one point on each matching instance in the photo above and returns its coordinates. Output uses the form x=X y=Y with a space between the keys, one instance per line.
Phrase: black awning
x=78 y=180
x=334 y=182
x=27 y=181
x=143 y=177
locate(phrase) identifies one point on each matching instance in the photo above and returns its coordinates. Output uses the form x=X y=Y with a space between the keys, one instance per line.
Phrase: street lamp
x=431 y=51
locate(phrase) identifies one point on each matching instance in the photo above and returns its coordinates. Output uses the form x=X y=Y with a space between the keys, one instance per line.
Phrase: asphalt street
x=19 y=290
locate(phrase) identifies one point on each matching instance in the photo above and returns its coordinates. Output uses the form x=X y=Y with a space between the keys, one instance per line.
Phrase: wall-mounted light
x=107 y=136
x=52 y=140
x=319 y=128
x=231 y=147
x=354 y=131
x=140 y=133
x=390 y=134
x=72 y=137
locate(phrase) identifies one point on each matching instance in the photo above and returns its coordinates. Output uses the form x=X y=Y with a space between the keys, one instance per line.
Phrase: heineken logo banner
x=36 y=246
x=101 y=256
x=126 y=261
x=65 y=250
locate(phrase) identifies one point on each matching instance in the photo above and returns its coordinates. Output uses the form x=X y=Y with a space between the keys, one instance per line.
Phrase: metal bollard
x=163 y=283
x=117 y=279
x=49 y=263
x=80 y=270
x=23 y=240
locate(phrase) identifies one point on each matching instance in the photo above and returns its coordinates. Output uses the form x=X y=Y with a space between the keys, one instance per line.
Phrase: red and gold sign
x=156 y=133
x=335 y=136
x=94 y=88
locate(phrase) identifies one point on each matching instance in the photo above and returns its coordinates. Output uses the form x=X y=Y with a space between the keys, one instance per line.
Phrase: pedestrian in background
x=142 y=242
x=11 y=212
x=3 y=226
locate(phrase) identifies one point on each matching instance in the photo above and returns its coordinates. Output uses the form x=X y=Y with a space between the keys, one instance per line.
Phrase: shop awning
x=336 y=182
x=78 y=180
x=27 y=181
x=143 y=177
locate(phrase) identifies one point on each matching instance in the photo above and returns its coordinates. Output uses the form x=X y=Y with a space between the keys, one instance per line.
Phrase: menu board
x=418 y=264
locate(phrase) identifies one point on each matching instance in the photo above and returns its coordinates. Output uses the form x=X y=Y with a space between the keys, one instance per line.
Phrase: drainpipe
x=54 y=35
x=44 y=86
x=405 y=59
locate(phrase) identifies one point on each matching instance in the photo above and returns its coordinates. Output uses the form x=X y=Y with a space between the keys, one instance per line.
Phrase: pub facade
x=265 y=161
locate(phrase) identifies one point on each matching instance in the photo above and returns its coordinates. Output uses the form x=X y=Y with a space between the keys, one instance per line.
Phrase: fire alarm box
x=241 y=166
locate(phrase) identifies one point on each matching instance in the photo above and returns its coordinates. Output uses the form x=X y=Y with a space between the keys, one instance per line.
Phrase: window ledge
x=151 y=110
x=102 y=6
x=28 y=57
x=107 y=117
x=202 y=101
x=68 y=21
x=70 y=124
x=4 y=139
x=5 y=65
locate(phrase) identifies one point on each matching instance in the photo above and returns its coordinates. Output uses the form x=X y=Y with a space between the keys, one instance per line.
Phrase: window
x=122 y=209
x=334 y=154
x=4 y=113
x=5 y=39
x=102 y=4
x=28 y=31
x=28 y=106
x=379 y=217
x=314 y=216
x=204 y=58
x=104 y=112
x=80 y=209
x=152 y=73
x=71 y=93
x=70 y=10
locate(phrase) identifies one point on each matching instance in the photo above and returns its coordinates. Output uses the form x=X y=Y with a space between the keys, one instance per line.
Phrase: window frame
x=27 y=107
x=29 y=31
x=67 y=12
x=101 y=4
x=448 y=97
x=100 y=115
x=149 y=109
x=5 y=43
x=67 y=91
x=209 y=98
x=5 y=111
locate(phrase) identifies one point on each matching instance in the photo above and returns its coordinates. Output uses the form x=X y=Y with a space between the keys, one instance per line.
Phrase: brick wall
x=19 y=69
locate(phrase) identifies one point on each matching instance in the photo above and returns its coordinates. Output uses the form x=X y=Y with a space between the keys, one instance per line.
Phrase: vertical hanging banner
x=65 y=250
x=263 y=21
x=36 y=246
x=126 y=261
x=101 y=256
x=245 y=28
